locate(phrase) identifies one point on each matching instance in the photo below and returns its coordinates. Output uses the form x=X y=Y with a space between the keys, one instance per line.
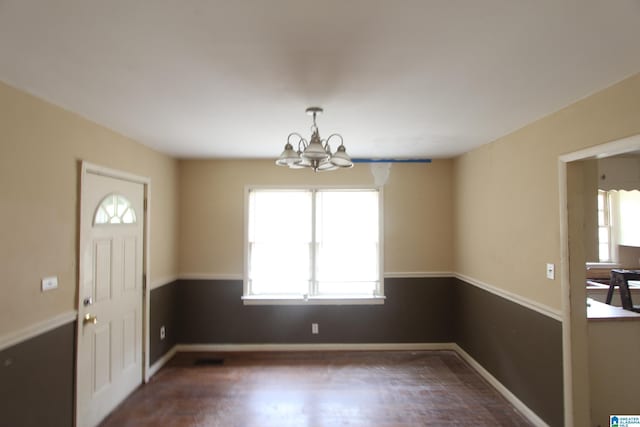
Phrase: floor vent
x=209 y=361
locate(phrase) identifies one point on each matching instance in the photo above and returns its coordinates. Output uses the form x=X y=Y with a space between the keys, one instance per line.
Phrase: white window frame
x=608 y=225
x=378 y=298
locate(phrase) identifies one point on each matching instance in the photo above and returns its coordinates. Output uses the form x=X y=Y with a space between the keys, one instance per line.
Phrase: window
x=605 y=246
x=627 y=212
x=114 y=209
x=313 y=245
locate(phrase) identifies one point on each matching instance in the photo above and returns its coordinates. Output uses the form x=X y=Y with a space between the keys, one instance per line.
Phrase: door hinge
x=145 y=204
x=144 y=281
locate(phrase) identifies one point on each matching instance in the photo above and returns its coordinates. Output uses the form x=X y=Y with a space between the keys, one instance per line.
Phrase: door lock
x=88 y=318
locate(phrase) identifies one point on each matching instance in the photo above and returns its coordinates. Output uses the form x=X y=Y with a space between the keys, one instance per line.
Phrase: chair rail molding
x=36 y=329
x=525 y=302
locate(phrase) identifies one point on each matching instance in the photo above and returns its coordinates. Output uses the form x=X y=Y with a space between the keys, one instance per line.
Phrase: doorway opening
x=575 y=173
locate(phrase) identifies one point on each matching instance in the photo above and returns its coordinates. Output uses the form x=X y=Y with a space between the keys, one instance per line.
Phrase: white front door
x=109 y=359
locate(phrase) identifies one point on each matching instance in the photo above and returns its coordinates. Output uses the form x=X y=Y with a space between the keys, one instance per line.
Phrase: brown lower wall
x=520 y=347
x=37 y=380
x=212 y=312
x=416 y=310
x=163 y=311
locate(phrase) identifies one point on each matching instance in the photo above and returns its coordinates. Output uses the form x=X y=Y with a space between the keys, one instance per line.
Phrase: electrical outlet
x=162 y=332
x=314 y=329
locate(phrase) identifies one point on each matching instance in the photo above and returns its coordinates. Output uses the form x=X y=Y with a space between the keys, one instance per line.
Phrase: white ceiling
x=403 y=78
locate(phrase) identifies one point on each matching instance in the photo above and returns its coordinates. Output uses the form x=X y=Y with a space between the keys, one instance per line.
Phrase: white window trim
x=613 y=209
x=305 y=299
x=319 y=300
x=606 y=212
x=602 y=265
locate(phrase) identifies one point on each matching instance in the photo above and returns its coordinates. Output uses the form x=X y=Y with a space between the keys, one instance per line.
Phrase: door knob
x=88 y=318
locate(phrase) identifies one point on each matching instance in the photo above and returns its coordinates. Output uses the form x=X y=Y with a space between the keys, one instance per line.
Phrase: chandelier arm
x=294 y=134
x=337 y=135
x=300 y=140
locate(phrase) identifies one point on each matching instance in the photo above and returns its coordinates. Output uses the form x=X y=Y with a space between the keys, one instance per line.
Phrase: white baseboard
x=153 y=369
x=314 y=347
x=524 y=409
x=517 y=403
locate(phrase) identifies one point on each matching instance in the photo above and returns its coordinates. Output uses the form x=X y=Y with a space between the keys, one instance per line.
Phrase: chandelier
x=315 y=153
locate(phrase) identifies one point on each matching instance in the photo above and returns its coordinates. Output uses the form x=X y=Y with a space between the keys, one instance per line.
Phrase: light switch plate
x=551 y=271
x=49 y=283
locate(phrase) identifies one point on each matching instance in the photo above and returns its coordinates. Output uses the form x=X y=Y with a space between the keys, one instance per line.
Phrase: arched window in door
x=114 y=209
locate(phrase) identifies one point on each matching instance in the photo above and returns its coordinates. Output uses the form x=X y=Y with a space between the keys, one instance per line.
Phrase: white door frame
x=613 y=148
x=86 y=168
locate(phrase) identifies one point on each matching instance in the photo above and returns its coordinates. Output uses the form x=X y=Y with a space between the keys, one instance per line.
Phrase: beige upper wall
x=417 y=212
x=504 y=196
x=41 y=146
x=507 y=224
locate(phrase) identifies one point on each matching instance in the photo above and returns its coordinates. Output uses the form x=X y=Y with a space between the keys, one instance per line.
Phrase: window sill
x=298 y=300
x=595 y=265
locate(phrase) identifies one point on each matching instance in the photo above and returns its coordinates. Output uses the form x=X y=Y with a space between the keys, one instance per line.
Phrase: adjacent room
x=292 y=213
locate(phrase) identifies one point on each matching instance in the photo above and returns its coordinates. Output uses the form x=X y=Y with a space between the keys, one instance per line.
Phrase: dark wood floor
x=423 y=388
